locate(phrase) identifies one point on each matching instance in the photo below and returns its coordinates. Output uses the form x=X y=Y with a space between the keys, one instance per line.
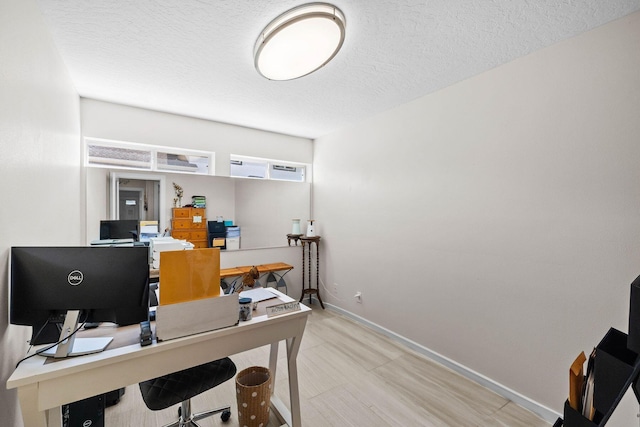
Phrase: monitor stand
x=72 y=346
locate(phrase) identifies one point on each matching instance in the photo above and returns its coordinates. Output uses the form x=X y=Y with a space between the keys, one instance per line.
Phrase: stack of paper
x=258 y=294
x=160 y=244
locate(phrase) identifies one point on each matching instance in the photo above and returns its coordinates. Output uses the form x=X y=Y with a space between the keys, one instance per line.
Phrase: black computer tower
x=87 y=412
x=113 y=397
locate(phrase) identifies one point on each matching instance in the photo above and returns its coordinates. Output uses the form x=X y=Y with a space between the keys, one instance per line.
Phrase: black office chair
x=179 y=387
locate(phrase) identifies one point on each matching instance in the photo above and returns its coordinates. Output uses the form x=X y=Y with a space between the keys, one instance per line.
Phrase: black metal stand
x=616 y=368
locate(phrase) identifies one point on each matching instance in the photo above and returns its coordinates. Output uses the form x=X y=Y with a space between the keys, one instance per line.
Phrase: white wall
x=274 y=203
x=122 y=123
x=495 y=222
x=40 y=154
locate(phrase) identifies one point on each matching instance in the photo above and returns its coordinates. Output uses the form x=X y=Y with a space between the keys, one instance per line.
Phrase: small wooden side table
x=307 y=243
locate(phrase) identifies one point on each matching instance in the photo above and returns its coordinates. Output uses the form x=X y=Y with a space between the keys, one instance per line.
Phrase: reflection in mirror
x=137 y=196
x=263 y=209
x=138 y=200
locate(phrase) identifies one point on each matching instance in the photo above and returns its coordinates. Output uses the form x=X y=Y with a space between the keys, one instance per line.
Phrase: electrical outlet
x=358 y=297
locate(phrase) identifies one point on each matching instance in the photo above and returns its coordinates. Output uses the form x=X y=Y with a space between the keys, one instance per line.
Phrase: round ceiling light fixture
x=299 y=41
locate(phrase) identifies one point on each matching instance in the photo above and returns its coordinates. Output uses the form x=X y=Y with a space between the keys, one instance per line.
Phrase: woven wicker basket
x=253 y=392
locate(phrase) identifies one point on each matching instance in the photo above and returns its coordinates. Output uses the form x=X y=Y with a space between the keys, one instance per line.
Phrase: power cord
x=42 y=350
x=329 y=292
x=37 y=335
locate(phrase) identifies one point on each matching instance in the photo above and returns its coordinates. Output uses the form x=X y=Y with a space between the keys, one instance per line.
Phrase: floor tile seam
x=369 y=407
x=492 y=415
x=307 y=348
x=407 y=401
x=369 y=348
x=355 y=355
x=502 y=409
x=452 y=394
x=339 y=350
x=438 y=413
x=433 y=366
x=371 y=331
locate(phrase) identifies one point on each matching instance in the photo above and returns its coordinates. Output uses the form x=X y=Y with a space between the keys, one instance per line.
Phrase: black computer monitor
x=95 y=284
x=119 y=229
x=633 y=340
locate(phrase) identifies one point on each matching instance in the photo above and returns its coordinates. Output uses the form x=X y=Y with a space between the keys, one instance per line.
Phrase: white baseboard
x=533 y=406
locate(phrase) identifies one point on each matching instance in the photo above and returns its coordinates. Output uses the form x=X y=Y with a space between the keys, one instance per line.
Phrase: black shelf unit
x=616 y=368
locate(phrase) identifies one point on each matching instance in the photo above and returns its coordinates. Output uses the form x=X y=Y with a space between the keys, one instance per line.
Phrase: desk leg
x=279 y=408
x=293 y=345
x=54 y=417
x=292 y=416
x=273 y=363
x=31 y=416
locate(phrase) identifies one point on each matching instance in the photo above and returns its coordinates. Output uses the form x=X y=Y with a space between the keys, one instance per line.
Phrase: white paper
x=257 y=294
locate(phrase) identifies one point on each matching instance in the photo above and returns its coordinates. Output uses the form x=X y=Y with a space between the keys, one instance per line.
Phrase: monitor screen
x=107 y=284
x=119 y=229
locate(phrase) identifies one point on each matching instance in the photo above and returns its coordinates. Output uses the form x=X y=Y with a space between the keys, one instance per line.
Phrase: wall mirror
x=262 y=208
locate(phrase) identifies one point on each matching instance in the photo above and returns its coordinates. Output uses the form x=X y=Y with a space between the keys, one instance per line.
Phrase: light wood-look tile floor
x=352 y=376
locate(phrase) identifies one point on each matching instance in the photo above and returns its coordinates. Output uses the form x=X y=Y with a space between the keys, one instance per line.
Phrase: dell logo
x=87 y=423
x=75 y=277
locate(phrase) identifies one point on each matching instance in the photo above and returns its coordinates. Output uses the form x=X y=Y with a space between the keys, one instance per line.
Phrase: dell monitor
x=49 y=285
x=633 y=341
x=119 y=229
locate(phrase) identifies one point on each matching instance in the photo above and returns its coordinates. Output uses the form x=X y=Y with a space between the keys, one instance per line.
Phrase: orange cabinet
x=190 y=224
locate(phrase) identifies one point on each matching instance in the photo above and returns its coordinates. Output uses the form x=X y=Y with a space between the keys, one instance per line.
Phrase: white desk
x=42 y=386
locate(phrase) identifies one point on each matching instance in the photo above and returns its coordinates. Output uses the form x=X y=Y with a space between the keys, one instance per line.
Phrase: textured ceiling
x=194 y=57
